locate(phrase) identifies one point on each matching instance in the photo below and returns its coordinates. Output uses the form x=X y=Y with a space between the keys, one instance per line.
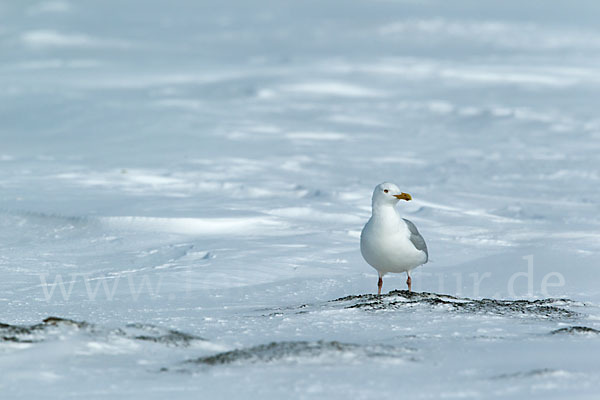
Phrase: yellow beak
x=403 y=196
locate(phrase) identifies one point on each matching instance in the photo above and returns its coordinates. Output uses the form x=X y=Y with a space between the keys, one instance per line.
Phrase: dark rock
x=40 y=332
x=398 y=299
x=297 y=351
x=573 y=330
x=527 y=374
x=171 y=337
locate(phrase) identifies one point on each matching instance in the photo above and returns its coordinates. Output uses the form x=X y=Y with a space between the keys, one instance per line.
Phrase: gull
x=388 y=242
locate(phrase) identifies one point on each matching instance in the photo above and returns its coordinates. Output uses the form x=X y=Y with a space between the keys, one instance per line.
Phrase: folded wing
x=416 y=238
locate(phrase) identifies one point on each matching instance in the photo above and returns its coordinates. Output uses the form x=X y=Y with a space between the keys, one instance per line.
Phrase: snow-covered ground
x=183 y=185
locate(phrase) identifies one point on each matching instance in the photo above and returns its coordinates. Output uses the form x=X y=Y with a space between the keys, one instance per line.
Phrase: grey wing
x=416 y=238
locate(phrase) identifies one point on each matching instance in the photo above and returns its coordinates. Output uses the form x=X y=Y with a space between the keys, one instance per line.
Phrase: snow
x=183 y=188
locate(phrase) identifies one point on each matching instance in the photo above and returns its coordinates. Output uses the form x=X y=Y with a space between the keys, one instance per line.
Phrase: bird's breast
x=389 y=249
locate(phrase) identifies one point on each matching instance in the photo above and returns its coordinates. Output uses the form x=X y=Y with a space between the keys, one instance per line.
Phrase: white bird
x=388 y=242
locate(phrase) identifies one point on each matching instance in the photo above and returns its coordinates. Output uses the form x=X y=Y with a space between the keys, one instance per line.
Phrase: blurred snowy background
x=188 y=180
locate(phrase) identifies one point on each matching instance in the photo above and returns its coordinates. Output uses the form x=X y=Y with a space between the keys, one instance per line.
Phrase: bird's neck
x=385 y=212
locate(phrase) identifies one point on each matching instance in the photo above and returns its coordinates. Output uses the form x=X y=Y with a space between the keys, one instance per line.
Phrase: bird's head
x=388 y=193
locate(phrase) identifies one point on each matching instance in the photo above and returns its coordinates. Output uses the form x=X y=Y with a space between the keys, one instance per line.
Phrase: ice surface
x=183 y=185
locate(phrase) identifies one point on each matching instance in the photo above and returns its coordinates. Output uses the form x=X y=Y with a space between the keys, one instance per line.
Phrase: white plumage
x=388 y=242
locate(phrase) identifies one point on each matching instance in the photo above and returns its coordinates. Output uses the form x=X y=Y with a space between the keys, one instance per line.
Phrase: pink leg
x=408 y=281
x=379 y=285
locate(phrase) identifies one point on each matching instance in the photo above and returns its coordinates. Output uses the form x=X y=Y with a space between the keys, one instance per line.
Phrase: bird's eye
x=385 y=190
